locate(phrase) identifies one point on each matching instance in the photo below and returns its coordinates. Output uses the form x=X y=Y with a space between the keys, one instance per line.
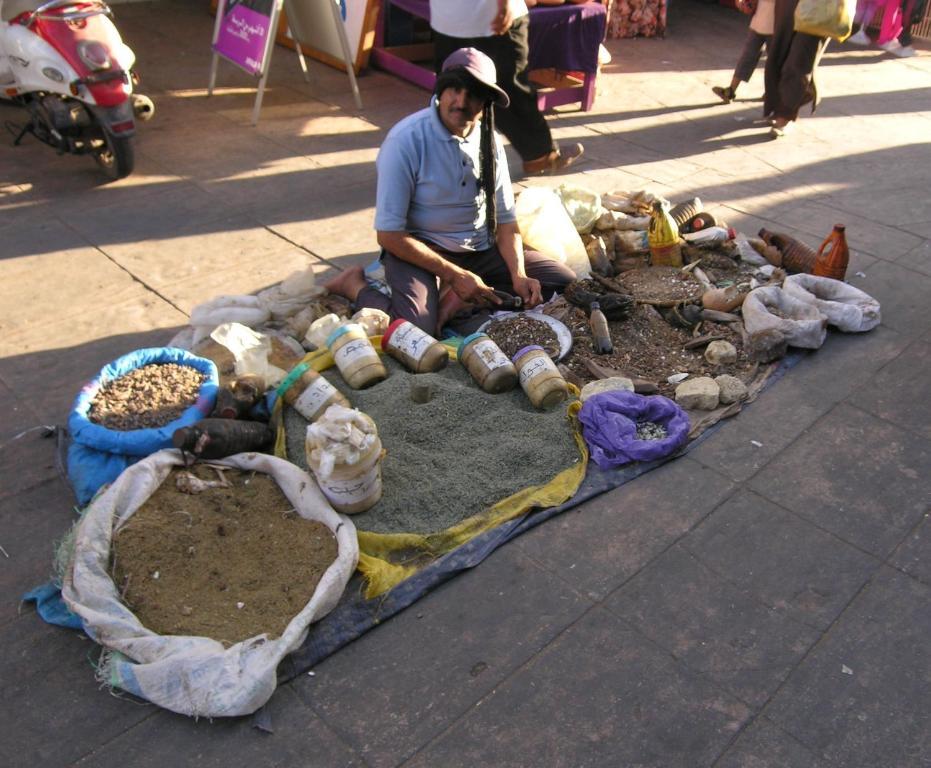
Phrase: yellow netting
x=386 y=559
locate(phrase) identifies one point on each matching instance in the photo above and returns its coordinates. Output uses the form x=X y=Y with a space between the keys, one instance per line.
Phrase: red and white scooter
x=65 y=63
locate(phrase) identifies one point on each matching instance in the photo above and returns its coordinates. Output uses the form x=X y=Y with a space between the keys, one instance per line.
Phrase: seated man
x=444 y=211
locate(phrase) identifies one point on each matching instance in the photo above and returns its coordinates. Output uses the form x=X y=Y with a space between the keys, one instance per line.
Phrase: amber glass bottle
x=796 y=256
x=833 y=255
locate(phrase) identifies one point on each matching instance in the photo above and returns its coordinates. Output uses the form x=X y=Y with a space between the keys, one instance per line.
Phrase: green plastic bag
x=825 y=18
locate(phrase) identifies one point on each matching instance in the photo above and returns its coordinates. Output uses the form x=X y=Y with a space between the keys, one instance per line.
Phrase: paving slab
x=444 y=657
x=719 y=630
x=299 y=738
x=56 y=717
x=54 y=364
x=632 y=524
x=919 y=258
x=33 y=520
x=864 y=480
x=898 y=392
x=762 y=744
x=914 y=554
x=608 y=696
x=780 y=559
x=28 y=460
x=861 y=698
x=18 y=415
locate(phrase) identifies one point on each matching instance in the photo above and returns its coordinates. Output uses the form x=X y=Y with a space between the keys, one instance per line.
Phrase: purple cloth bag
x=609 y=426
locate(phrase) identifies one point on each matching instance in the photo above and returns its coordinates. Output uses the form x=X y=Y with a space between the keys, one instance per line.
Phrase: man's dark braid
x=488 y=168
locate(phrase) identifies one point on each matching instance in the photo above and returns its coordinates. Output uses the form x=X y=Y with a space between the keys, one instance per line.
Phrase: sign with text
x=243 y=33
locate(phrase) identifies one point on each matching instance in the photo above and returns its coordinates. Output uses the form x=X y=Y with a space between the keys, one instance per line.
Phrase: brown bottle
x=833 y=255
x=796 y=256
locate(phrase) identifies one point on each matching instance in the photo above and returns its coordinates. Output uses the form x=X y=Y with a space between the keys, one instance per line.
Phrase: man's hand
x=528 y=289
x=470 y=287
x=502 y=22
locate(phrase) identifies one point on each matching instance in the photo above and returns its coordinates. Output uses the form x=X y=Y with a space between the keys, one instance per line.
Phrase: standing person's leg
x=866 y=10
x=797 y=82
x=905 y=37
x=908 y=13
x=746 y=64
x=891 y=26
x=522 y=122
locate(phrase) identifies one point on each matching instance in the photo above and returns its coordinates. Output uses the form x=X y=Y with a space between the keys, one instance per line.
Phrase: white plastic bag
x=193 y=675
x=545 y=226
x=803 y=325
x=251 y=350
x=847 y=308
x=321 y=328
x=245 y=309
x=583 y=206
x=291 y=295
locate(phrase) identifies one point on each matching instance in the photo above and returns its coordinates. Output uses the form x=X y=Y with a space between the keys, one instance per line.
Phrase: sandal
x=555 y=160
x=780 y=128
x=727 y=95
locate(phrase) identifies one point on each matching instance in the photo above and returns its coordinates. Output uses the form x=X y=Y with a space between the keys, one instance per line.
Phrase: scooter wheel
x=116 y=158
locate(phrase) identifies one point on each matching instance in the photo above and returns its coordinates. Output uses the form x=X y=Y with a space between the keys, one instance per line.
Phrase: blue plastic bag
x=609 y=426
x=97 y=454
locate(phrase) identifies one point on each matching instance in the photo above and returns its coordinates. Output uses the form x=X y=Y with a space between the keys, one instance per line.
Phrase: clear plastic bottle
x=601 y=335
x=710 y=236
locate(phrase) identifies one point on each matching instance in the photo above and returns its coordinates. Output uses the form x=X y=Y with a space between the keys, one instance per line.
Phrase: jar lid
x=521 y=352
x=344 y=328
x=469 y=339
x=390 y=330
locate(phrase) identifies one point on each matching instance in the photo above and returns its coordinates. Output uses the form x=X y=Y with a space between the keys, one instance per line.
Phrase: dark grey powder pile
x=454 y=456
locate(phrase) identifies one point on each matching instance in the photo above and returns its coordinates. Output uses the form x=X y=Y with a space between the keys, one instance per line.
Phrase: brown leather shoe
x=555 y=160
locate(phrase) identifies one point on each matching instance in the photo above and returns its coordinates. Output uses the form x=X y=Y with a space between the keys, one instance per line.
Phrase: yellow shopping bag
x=825 y=18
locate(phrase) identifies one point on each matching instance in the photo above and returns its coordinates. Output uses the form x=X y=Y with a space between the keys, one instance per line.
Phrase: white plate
x=563 y=334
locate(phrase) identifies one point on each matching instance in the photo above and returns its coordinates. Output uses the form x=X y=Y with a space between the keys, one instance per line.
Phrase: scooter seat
x=10 y=9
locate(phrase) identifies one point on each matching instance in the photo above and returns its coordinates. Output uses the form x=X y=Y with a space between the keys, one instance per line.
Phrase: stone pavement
x=763 y=601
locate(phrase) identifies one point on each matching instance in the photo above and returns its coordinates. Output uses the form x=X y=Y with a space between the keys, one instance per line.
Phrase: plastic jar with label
x=416 y=349
x=351 y=488
x=356 y=358
x=487 y=364
x=540 y=378
x=308 y=393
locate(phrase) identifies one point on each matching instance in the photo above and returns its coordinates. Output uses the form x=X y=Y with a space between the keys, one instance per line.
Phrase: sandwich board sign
x=244 y=34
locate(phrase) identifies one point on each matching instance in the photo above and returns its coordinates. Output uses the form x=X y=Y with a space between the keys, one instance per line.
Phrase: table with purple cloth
x=563 y=38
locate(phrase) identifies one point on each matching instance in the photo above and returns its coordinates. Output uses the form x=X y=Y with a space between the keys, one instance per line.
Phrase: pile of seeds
x=650 y=430
x=147 y=397
x=518 y=331
x=452 y=457
x=221 y=554
x=663 y=286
